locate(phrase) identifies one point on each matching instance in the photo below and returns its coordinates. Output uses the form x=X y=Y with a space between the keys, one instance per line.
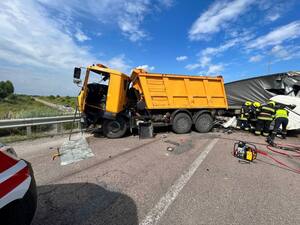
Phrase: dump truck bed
x=170 y=91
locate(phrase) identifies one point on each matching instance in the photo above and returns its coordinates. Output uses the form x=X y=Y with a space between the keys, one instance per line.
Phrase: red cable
x=274 y=159
x=283 y=153
x=296 y=146
x=279 y=162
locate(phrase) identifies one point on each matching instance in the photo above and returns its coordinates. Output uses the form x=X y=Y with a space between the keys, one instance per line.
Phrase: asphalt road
x=133 y=181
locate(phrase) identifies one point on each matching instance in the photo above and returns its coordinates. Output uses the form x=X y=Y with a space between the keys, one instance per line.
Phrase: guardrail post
x=28 y=131
x=58 y=128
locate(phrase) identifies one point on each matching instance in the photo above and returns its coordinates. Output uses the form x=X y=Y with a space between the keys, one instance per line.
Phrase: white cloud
x=81 y=37
x=279 y=35
x=118 y=63
x=273 y=17
x=279 y=51
x=241 y=39
x=30 y=37
x=216 y=17
x=41 y=50
x=275 y=9
x=146 y=67
x=205 y=61
x=285 y=52
x=181 y=58
x=255 y=58
x=215 y=69
x=206 y=55
x=167 y=3
x=193 y=66
x=128 y=15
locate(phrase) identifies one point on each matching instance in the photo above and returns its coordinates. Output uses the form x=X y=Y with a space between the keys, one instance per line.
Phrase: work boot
x=283 y=136
x=257 y=133
x=270 y=141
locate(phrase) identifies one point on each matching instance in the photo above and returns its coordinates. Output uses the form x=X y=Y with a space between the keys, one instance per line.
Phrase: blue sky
x=42 y=40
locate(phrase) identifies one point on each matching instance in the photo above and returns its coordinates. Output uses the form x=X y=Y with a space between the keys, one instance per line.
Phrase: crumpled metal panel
x=262 y=88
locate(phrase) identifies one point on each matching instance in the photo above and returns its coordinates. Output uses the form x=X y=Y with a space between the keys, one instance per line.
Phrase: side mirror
x=76 y=75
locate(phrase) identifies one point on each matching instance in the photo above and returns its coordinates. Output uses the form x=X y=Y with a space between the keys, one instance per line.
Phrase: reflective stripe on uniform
x=268 y=109
x=265 y=134
x=257 y=132
x=264 y=118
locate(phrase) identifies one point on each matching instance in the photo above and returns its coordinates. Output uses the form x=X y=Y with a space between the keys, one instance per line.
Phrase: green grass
x=16 y=137
x=60 y=100
x=23 y=106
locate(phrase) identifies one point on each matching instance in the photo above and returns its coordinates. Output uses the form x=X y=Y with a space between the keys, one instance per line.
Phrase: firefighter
x=281 y=119
x=254 y=111
x=264 y=119
x=243 y=122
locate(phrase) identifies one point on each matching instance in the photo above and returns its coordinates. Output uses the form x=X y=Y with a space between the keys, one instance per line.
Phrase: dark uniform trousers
x=242 y=122
x=264 y=120
x=280 y=122
x=264 y=126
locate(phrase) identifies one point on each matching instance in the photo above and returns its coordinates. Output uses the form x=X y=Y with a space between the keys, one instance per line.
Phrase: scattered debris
x=230 y=123
x=170 y=149
x=181 y=147
x=57 y=154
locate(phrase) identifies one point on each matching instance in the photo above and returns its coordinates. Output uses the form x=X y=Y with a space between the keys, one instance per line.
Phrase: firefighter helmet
x=256 y=104
x=248 y=103
x=271 y=103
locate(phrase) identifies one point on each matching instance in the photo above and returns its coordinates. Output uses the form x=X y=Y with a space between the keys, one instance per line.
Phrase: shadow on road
x=162 y=129
x=83 y=204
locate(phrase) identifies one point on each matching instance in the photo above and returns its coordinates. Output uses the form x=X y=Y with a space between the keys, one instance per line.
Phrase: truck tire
x=115 y=128
x=204 y=123
x=182 y=123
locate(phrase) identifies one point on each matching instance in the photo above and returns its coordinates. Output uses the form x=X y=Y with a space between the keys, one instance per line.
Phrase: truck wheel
x=204 y=123
x=182 y=123
x=115 y=128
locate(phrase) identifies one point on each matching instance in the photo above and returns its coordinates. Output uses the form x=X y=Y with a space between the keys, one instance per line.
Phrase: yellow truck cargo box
x=169 y=91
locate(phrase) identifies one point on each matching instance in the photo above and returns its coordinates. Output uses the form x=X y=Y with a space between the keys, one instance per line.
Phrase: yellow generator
x=119 y=103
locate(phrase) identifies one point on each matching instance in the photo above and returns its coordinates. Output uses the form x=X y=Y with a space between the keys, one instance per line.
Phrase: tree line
x=6 y=89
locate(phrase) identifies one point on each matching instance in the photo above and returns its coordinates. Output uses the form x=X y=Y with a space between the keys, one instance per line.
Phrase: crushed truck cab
x=119 y=103
x=115 y=93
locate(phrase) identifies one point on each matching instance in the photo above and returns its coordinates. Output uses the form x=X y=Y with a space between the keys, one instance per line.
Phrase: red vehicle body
x=18 y=196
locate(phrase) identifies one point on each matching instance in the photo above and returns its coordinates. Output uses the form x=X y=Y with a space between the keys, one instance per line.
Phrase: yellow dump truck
x=120 y=103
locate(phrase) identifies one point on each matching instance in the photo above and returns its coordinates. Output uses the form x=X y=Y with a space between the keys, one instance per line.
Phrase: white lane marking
x=163 y=204
x=12 y=171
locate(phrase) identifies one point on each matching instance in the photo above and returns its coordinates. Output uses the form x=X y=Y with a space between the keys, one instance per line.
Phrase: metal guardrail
x=29 y=122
